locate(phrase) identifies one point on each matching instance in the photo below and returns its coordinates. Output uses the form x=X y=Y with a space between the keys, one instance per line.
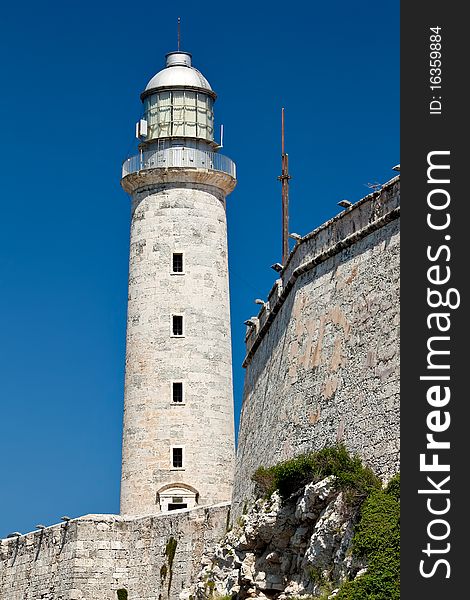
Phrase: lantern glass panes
x=164 y=111
x=190 y=113
x=179 y=113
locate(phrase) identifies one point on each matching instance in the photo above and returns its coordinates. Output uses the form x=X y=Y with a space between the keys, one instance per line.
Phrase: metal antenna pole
x=284 y=179
x=179 y=33
x=282 y=131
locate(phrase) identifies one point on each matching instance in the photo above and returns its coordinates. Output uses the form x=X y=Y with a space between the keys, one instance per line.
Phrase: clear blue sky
x=71 y=78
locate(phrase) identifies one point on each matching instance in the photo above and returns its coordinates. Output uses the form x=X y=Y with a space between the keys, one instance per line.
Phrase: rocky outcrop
x=279 y=549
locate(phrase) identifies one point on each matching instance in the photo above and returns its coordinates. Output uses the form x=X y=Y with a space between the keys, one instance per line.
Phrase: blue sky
x=71 y=78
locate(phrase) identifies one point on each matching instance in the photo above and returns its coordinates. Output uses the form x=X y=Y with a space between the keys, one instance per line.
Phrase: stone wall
x=322 y=360
x=92 y=557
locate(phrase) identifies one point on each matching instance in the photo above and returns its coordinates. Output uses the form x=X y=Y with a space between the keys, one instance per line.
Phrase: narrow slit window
x=177 y=265
x=177 y=458
x=178 y=392
x=177 y=325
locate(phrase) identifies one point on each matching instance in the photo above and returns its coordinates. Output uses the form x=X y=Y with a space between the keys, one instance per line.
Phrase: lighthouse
x=178 y=434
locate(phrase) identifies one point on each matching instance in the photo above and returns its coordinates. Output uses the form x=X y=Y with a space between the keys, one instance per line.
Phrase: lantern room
x=178 y=106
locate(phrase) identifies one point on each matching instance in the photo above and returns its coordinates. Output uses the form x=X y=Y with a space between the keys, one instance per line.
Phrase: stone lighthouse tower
x=178 y=440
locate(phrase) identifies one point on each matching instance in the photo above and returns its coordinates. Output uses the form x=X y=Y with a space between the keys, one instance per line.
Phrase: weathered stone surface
x=314 y=496
x=189 y=218
x=276 y=551
x=326 y=368
x=94 y=556
x=327 y=535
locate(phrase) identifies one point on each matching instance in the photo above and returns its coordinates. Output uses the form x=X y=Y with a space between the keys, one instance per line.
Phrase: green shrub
x=377 y=539
x=122 y=594
x=264 y=479
x=316 y=575
x=289 y=476
x=378 y=527
x=393 y=487
x=209 y=588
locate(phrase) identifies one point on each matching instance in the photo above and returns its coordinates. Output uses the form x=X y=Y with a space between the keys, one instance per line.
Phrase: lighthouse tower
x=178 y=439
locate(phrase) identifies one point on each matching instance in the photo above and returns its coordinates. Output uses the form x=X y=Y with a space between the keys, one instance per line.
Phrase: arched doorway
x=175 y=496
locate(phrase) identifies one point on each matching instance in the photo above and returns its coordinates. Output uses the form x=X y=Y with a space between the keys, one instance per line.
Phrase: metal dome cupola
x=178 y=105
x=178 y=72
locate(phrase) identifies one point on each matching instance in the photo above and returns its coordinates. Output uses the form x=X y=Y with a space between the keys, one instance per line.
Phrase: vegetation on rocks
x=377 y=540
x=323 y=527
x=352 y=477
x=377 y=533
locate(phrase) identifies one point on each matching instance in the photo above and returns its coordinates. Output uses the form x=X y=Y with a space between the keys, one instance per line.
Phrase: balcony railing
x=178 y=157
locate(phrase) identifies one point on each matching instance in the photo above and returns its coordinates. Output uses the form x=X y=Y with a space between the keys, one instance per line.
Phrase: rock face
x=300 y=546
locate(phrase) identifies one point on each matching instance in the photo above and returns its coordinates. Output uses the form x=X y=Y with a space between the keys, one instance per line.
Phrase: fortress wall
x=94 y=556
x=323 y=364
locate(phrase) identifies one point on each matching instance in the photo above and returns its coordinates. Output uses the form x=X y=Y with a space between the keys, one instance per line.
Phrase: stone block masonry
x=92 y=557
x=188 y=219
x=322 y=362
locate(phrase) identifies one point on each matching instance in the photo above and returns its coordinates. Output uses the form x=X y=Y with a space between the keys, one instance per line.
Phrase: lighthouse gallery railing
x=178 y=157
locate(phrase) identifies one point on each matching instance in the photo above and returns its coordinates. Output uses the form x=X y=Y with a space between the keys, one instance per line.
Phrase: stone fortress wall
x=322 y=363
x=92 y=557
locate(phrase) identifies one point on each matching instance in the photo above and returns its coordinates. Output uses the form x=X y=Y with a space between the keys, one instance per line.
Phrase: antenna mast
x=179 y=33
x=284 y=179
